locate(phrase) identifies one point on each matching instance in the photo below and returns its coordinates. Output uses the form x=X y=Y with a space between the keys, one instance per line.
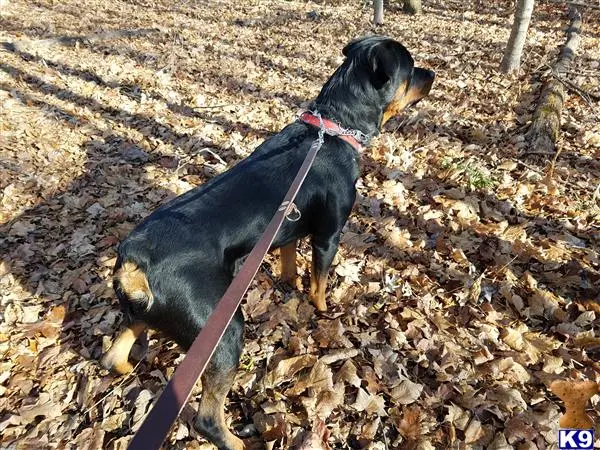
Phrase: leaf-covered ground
x=469 y=274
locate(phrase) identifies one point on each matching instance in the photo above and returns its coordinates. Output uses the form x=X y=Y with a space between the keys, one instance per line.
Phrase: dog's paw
x=120 y=366
x=319 y=302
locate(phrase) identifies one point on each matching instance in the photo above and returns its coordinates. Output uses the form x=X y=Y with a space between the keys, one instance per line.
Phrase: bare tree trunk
x=412 y=6
x=378 y=5
x=543 y=132
x=518 y=34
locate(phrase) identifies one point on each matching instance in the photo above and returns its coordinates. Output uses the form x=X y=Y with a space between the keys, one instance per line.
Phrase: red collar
x=334 y=128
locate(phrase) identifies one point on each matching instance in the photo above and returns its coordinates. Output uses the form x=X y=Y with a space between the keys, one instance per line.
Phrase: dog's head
x=379 y=74
x=389 y=68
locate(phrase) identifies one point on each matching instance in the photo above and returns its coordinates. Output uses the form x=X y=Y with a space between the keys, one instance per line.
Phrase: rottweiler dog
x=175 y=266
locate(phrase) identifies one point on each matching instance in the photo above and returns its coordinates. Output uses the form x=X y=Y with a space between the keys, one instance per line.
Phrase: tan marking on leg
x=117 y=357
x=211 y=412
x=288 y=263
x=134 y=283
x=318 y=288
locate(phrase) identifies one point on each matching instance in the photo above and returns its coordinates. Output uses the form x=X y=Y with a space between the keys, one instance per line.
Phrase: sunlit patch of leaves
x=469 y=173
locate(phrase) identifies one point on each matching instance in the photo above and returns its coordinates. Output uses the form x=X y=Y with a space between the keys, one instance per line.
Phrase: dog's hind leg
x=216 y=384
x=287 y=255
x=117 y=357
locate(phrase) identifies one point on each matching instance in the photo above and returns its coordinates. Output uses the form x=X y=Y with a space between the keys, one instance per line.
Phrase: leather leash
x=169 y=405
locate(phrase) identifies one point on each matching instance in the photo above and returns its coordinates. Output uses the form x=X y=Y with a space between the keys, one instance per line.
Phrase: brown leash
x=163 y=414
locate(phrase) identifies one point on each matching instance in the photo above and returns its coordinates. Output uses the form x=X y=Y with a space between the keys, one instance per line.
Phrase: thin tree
x=378 y=5
x=409 y=7
x=518 y=34
x=412 y=6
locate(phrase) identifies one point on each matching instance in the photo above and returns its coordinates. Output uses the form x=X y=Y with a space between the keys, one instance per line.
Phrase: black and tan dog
x=175 y=266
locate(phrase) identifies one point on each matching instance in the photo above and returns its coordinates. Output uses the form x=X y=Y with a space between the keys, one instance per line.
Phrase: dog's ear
x=389 y=59
x=352 y=45
x=382 y=56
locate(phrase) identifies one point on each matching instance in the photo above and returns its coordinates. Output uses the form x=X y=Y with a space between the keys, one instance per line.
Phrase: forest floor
x=468 y=276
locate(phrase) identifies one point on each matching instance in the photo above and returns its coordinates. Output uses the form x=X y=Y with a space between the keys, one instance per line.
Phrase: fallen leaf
x=406 y=392
x=287 y=368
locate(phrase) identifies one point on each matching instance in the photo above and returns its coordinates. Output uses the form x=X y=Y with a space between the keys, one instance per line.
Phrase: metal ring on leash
x=293 y=209
x=290 y=208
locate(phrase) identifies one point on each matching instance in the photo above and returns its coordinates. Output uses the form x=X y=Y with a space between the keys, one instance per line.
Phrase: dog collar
x=355 y=138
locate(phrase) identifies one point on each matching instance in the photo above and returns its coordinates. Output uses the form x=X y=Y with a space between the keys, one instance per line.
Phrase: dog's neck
x=344 y=99
x=355 y=117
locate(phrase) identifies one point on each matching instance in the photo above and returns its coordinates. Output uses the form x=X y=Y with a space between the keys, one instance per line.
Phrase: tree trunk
x=543 y=132
x=518 y=34
x=412 y=6
x=378 y=5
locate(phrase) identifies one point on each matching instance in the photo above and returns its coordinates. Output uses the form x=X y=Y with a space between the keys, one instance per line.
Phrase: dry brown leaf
x=348 y=374
x=44 y=407
x=458 y=417
x=372 y=404
x=141 y=407
x=406 y=392
x=319 y=378
x=409 y=425
x=474 y=432
x=518 y=430
x=90 y=439
x=287 y=368
x=330 y=334
x=315 y=439
x=272 y=427
x=328 y=400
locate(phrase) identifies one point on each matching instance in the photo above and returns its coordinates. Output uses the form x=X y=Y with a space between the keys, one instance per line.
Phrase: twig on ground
x=186 y=159
x=209 y=151
x=385 y=440
x=583 y=73
x=504 y=267
x=553 y=164
x=586 y=96
x=527 y=166
x=125 y=378
x=214 y=106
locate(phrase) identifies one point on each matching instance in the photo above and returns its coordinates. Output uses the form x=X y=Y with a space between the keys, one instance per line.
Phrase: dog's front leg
x=323 y=252
x=117 y=357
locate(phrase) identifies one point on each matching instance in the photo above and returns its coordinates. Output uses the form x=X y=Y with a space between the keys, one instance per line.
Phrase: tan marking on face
x=401 y=100
x=318 y=289
x=393 y=109
x=288 y=263
x=116 y=358
x=134 y=283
